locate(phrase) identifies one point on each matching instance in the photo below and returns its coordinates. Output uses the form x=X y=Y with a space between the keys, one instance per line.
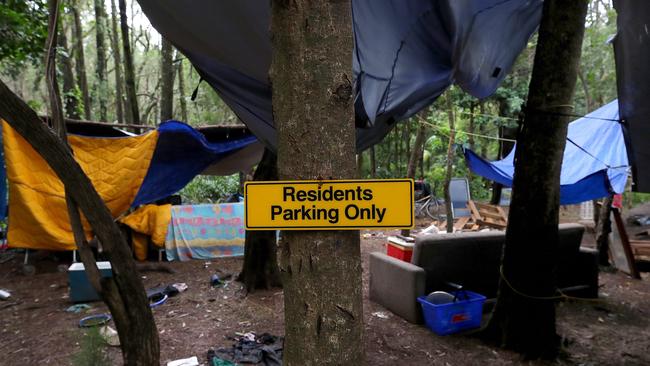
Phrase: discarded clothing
x=264 y=350
x=205 y=232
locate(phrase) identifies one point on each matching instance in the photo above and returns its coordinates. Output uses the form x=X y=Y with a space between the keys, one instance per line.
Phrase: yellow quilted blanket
x=38 y=216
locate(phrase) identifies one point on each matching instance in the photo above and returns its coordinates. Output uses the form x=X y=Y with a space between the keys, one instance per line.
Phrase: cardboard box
x=80 y=288
x=399 y=248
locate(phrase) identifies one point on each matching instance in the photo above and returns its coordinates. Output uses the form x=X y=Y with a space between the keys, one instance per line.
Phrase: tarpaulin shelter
x=126 y=171
x=407 y=52
x=594 y=165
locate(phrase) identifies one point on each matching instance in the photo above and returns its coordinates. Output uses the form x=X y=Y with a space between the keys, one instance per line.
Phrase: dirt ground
x=35 y=329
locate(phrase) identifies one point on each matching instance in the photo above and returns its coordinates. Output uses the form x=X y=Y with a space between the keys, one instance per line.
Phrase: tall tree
x=181 y=91
x=117 y=60
x=133 y=112
x=80 y=61
x=100 y=67
x=416 y=151
x=69 y=90
x=321 y=270
x=166 y=81
x=260 y=269
x=524 y=318
x=451 y=117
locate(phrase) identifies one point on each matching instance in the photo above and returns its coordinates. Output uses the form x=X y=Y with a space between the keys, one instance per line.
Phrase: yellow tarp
x=148 y=220
x=38 y=217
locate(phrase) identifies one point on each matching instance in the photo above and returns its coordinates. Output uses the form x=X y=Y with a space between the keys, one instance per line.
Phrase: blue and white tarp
x=595 y=160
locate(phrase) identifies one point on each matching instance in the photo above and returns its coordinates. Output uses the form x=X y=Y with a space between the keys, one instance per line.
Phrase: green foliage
x=209 y=189
x=23 y=30
x=92 y=350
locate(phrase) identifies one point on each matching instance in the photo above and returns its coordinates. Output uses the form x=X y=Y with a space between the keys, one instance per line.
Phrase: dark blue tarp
x=407 y=52
x=181 y=153
x=594 y=165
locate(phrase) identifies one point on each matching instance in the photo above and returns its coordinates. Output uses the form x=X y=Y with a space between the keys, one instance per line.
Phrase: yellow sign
x=329 y=204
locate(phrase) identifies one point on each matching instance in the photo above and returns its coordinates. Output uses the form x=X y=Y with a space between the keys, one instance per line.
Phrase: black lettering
x=351 y=211
x=275 y=210
x=349 y=194
x=328 y=194
x=333 y=215
x=289 y=192
x=367 y=194
x=359 y=194
x=312 y=195
x=301 y=195
x=338 y=195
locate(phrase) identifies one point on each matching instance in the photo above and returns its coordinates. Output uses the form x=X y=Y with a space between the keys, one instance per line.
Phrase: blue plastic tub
x=464 y=313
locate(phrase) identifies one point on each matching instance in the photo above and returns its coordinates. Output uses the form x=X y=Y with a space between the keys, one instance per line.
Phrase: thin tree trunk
x=100 y=70
x=181 y=91
x=471 y=128
x=373 y=163
x=524 y=318
x=360 y=159
x=260 y=269
x=80 y=63
x=132 y=113
x=585 y=88
x=416 y=154
x=70 y=97
x=312 y=45
x=450 y=163
x=167 y=81
x=117 y=60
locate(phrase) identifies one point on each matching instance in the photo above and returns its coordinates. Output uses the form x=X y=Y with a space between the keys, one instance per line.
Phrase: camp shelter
x=594 y=165
x=407 y=52
x=127 y=171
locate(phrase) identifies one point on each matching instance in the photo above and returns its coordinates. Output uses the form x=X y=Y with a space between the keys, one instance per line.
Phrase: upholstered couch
x=471 y=259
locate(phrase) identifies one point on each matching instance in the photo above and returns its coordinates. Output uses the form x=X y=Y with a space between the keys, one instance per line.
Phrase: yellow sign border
x=328 y=228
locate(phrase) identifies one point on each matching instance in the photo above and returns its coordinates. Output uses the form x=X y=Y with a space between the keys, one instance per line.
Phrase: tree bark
x=524 y=318
x=450 y=163
x=100 y=70
x=260 y=270
x=80 y=62
x=321 y=270
x=70 y=97
x=416 y=154
x=132 y=113
x=117 y=60
x=167 y=81
x=181 y=91
x=373 y=163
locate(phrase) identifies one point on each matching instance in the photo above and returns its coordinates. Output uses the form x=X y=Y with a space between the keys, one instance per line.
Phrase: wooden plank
x=619 y=249
x=460 y=224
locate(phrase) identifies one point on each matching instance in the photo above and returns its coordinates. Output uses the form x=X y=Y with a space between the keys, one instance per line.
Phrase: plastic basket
x=464 y=313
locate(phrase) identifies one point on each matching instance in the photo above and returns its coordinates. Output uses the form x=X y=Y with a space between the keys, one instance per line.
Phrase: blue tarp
x=595 y=161
x=407 y=52
x=182 y=153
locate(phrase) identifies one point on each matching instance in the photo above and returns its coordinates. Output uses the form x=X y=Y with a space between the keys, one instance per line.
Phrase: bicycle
x=429 y=206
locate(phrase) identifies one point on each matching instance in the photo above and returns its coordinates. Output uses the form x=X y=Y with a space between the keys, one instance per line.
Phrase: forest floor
x=35 y=329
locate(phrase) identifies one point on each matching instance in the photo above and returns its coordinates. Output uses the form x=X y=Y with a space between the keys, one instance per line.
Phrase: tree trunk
x=321 y=270
x=117 y=60
x=132 y=113
x=524 y=318
x=80 y=63
x=100 y=70
x=181 y=91
x=373 y=163
x=70 y=97
x=260 y=270
x=166 y=81
x=360 y=159
x=450 y=163
x=416 y=155
x=602 y=229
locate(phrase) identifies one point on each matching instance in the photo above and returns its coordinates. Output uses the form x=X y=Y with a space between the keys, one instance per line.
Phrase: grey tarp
x=632 y=51
x=407 y=52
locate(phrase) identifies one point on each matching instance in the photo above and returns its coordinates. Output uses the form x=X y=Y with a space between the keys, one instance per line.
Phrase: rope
x=561 y=296
x=425 y=122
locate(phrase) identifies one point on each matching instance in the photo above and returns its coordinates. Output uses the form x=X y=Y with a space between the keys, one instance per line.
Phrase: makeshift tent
x=594 y=165
x=126 y=172
x=406 y=53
